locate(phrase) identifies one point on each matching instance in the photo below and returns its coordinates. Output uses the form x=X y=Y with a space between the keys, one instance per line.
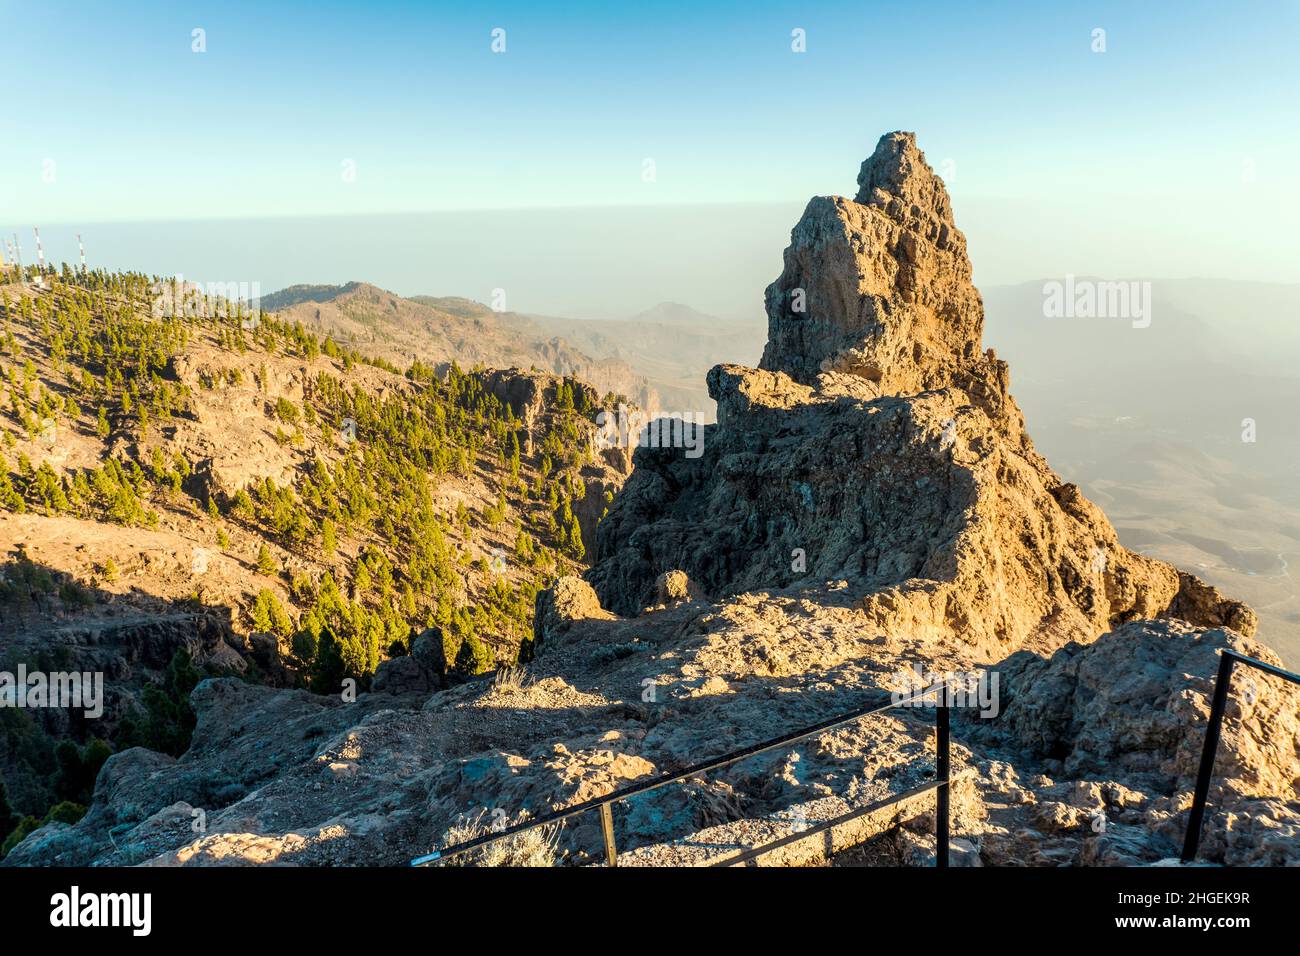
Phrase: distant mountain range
x=658 y=358
x=671 y=344
x=439 y=331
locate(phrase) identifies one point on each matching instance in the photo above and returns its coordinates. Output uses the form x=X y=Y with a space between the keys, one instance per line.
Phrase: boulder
x=571 y=599
x=429 y=651
x=403 y=675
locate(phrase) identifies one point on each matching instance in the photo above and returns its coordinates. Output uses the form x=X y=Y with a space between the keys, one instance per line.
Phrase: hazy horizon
x=592 y=262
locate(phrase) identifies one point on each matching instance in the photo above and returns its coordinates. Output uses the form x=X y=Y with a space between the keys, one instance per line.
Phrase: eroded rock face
x=878 y=445
x=1133 y=705
x=878 y=286
x=525 y=393
x=131 y=652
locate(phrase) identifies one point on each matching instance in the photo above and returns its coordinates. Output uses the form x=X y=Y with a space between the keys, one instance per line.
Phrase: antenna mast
x=40 y=259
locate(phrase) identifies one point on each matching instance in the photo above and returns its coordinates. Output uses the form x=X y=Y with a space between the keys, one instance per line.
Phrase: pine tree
x=513 y=451
x=10 y=499
x=474 y=657
x=265 y=563
x=574 y=543
x=269 y=616
x=327 y=670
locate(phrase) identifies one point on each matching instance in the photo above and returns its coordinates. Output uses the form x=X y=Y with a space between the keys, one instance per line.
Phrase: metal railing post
x=943 y=772
x=1212 y=731
x=607 y=828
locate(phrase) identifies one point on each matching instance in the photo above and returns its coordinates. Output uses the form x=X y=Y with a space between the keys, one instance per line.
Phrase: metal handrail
x=1227 y=658
x=604 y=803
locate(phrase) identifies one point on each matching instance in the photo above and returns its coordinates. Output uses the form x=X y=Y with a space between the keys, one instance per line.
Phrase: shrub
x=536 y=847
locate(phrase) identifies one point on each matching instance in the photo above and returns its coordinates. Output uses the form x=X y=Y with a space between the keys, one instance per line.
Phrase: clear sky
x=1183 y=135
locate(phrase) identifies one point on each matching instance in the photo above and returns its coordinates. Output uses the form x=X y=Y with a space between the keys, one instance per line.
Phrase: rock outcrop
x=879 y=287
x=524 y=393
x=879 y=445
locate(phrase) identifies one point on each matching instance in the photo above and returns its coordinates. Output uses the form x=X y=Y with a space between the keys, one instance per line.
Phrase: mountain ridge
x=403 y=330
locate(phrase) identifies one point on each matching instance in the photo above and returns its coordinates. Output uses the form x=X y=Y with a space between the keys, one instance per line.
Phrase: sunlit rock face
x=878 y=286
x=878 y=445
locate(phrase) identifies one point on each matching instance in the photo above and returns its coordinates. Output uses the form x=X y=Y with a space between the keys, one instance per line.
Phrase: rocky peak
x=878 y=446
x=898 y=172
x=879 y=287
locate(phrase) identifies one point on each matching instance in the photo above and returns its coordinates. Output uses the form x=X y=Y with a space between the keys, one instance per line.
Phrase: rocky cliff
x=867 y=504
x=878 y=445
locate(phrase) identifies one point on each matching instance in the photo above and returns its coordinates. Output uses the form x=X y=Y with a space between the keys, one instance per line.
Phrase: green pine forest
x=93 y=353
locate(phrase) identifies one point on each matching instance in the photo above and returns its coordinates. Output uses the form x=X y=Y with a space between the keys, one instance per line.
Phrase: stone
x=571 y=599
x=672 y=587
x=429 y=651
x=1122 y=845
x=403 y=675
x=962 y=852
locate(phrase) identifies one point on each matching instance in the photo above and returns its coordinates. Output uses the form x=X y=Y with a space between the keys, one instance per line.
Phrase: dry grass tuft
x=536 y=847
x=512 y=678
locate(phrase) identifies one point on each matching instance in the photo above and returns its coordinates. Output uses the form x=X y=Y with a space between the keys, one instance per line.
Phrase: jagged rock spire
x=879 y=287
x=898 y=170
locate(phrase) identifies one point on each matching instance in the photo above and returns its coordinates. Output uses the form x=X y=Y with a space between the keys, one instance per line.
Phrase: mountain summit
x=879 y=287
x=879 y=445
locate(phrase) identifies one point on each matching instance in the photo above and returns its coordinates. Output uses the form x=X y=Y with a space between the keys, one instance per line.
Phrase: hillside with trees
x=169 y=457
x=442 y=331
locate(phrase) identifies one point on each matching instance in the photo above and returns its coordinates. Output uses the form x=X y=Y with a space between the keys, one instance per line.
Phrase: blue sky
x=1184 y=129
